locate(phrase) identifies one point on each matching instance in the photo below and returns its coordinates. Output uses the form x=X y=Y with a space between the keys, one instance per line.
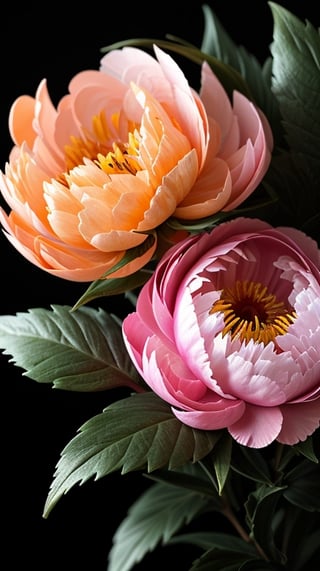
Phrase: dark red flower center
x=251 y=312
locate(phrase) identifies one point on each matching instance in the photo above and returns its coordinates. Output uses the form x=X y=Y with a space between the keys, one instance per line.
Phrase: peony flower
x=227 y=331
x=129 y=146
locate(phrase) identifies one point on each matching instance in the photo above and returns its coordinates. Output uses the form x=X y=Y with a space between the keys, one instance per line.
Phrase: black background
x=37 y=422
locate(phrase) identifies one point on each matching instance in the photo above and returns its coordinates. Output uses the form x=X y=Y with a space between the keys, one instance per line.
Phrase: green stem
x=229 y=514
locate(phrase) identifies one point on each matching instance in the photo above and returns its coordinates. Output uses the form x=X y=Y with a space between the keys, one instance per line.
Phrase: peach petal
x=20 y=120
x=209 y=194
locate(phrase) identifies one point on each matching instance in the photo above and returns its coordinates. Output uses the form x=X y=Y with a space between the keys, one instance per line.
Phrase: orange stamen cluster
x=96 y=146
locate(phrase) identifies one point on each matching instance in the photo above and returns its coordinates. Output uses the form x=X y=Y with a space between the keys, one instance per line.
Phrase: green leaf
x=296 y=80
x=303 y=542
x=217 y=42
x=113 y=286
x=192 y=477
x=306 y=448
x=217 y=464
x=260 y=509
x=303 y=486
x=79 y=350
x=295 y=178
x=154 y=517
x=294 y=173
x=308 y=556
x=222 y=461
x=208 y=540
x=299 y=532
x=222 y=560
x=135 y=433
x=106 y=286
x=251 y=464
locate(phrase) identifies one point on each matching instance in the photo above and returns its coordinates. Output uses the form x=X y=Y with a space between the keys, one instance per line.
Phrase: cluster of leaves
x=274 y=492
x=195 y=472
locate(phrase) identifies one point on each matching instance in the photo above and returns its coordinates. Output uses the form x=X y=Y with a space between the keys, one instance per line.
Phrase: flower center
x=121 y=160
x=251 y=312
x=99 y=146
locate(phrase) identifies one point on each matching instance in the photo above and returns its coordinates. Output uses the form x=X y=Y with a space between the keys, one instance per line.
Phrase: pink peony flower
x=129 y=146
x=227 y=331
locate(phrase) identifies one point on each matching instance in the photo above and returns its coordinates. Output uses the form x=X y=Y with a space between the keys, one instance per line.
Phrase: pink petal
x=299 y=421
x=215 y=417
x=257 y=427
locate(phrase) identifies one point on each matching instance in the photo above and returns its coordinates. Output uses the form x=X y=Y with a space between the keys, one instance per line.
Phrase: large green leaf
x=294 y=173
x=135 y=433
x=79 y=350
x=296 y=80
x=153 y=518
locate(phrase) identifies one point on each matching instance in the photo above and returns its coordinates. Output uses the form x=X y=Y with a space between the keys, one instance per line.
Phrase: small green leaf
x=260 y=509
x=222 y=461
x=306 y=448
x=154 y=517
x=113 y=286
x=135 y=433
x=77 y=351
x=106 y=286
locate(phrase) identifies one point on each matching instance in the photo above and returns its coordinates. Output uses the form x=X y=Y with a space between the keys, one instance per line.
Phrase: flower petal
x=257 y=427
x=299 y=421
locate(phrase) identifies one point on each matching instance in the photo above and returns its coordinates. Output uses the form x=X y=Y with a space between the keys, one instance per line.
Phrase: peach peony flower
x=227 y=331
x=128 y=147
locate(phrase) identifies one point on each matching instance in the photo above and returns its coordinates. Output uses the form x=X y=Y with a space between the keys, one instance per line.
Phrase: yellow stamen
x=119 y=160
x=99 y=146
x=251 y=312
